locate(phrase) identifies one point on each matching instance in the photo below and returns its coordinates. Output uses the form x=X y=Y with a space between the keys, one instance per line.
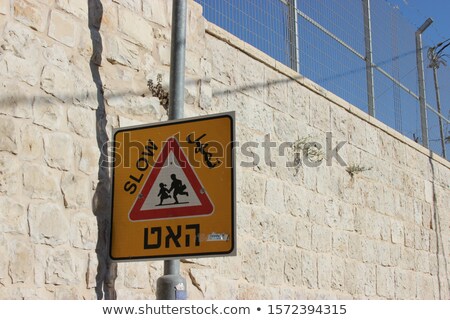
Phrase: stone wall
x=71 y=70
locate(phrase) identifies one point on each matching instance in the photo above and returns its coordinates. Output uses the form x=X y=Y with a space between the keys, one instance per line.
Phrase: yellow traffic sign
x=174 y=189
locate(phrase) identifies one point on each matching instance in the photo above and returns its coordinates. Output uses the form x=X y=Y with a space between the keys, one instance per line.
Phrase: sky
x=417 y=11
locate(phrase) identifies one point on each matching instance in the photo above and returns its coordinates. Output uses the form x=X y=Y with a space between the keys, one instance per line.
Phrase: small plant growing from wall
x=354 y=169
x=308 y=150
x=158 y=91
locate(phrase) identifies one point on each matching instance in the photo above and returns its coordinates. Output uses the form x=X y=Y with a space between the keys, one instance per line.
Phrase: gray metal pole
x=369 y=58
x=422 y=99
x=293 y=40
x=172 y=286
x=438 y=103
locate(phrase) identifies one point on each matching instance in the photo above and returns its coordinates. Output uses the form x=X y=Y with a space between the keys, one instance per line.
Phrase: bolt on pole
x=422 y=100
x=172 y=286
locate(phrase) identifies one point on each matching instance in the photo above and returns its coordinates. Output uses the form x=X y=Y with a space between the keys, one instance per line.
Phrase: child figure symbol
x=176 y=186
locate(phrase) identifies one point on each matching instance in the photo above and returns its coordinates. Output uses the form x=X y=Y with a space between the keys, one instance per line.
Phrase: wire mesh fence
x=362 y=50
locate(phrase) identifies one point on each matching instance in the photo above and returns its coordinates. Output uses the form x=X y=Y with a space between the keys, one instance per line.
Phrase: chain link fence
x=362 y=50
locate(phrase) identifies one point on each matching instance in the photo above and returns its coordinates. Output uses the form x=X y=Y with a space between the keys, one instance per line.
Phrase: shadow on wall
x=106 y=270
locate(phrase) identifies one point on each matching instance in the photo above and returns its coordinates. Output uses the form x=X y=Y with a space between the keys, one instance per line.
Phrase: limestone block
x=321 y=238
x=27 y=70
x=407 y=259
x=10 y=174
x=287 y=230
x=76 y=191
x=422 y=239
x=82 y=121
x=136 y=275
x=84 y=231
x=8 y=135
x=296 y=200
x=59 y=150
x=292 y=266
x=75 y=7
x=383 y=251
x=164 y=54
x=41 y=182
x=223 y=61
x=57 y=83
x=397 y=230
x=385 y=282
x=337 y=273
x=251 y=188
x=89 y=158
x=205 y=95
x=425 y=287
x=369 y=251
x=21 y=261
x=275 y=89
x=324 y=271
x=275 y=265
x=274 y=198
x=134 y=5
x=355 y=246
x=31 y=14
x=49 y=113
x=63 y=28
x=4 y=263
x=309 y=270
x=340 y=243
x=4 y=7
x=17 y=102
x=91 y=273
x=304 y=235
x=156 y=11
x=61 y=268
x=422 y=261
x=320 y=114
x=134 y=105
x=355 y=277
x=265 y=225
x=298 y=103
x=254 y=257
x=119 y=51
x=48 y=223
x=13 y=217
x=136 y=27
x=405 y=284
x=57 y=55
x=248 y=75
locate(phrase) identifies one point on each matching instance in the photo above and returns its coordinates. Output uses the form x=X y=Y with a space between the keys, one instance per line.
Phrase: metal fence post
x=369 y=58
x=293 y=35
x=172 y=286
x=422 y=100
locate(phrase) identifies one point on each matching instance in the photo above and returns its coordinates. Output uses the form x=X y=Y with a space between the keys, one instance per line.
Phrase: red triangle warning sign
x=172 y=188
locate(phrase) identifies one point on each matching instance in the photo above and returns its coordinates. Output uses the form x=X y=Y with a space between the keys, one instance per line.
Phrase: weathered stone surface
x=49 y=113
x=4 y=278
x=48 y=223
x=59 y=150
x=156 y=11
x=84 y=231
x=57 y=83
x=31 y=14
x=13 y=217
x=61 y=268
x=17 y=101
x=122 y=52
x=321 y=238
x=21 y=261
x=77 y=190
x=63 y=28
x=41 y=182
x=89 y=158
x=91 y=273
x=309 y=270
x=4 y=6
x=10 y=174
x=75 y=7
x=274 y=198
x=135 y=5
x=82 y=121
x=134 y=26
x=8 y=135
x=136 y=275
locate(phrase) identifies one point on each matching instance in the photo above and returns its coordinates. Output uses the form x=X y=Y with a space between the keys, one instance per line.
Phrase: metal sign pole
x=172 y=286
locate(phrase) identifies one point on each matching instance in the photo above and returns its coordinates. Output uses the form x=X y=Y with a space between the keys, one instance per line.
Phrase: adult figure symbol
x=178 y=188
